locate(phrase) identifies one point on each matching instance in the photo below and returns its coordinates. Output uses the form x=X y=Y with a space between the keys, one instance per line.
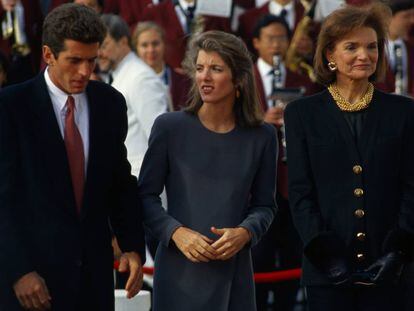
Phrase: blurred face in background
x=273 y=40
x=151 y=48
x=111 y=52
x=8 y=5
x=401 y=23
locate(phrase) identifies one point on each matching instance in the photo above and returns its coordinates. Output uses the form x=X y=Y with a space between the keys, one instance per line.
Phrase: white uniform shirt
x=391 y=59
x=146 y=98
x=275 y=9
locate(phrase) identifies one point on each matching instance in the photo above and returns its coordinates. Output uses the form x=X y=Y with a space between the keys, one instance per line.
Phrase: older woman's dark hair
x=74 y=22
x=235 y=54
x=339 y=24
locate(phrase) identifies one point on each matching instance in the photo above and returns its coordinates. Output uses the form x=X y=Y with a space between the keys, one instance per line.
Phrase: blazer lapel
x=370 y=125
x=51 y=145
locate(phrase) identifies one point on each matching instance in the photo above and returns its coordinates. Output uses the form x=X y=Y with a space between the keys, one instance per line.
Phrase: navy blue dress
x=212 y=179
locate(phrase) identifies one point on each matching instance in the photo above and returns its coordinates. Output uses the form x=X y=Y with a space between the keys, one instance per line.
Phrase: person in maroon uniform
x=20 y=39
x=177 y=19
x=271 y=37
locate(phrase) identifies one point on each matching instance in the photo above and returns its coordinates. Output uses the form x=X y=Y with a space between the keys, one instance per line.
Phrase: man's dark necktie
x=189 y=16
x=110 y=78
x=74 y=150
x=283 y=14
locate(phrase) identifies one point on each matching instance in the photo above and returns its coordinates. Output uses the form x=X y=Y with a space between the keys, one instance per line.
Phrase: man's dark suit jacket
x=327 y=208
x=40 y=229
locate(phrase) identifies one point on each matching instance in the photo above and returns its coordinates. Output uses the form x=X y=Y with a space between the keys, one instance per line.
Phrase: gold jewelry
x=345 y=105
x=332 y=66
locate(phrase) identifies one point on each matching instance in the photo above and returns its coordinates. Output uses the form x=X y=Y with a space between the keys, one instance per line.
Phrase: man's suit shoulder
x=108 y=96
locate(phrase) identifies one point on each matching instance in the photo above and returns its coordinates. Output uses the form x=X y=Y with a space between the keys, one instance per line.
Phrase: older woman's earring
x=237 y=93
x=332 y=66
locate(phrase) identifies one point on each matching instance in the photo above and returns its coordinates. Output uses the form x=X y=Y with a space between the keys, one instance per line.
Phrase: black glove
x=337 y=271
x=387 y=268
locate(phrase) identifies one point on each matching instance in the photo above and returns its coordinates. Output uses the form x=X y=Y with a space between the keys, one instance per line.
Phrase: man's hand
x=231 y=241
x=274 y=115
x=131 y=262
x=32 y=292
x=195 y=246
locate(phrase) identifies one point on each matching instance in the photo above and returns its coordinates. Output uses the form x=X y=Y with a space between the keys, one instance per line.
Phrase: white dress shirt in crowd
x=265 y=71
x=59 y=99
x=391 y=59
x=146 y=98
x=182 y=5
x=276 y=9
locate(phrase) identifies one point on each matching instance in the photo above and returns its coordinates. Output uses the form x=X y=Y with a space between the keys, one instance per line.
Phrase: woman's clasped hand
x=199 y=248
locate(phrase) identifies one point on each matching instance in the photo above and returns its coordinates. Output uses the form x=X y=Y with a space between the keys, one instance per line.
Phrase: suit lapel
x=51 y=145
x=96 y=145
x=370 y=126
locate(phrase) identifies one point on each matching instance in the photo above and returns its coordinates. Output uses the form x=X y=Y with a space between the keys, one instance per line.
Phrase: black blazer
x=347 y=199
x=40 y=229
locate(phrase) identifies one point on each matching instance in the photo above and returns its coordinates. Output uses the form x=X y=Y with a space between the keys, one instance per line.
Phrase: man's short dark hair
x=116 y=27
x=74 y=22
x=267 y=20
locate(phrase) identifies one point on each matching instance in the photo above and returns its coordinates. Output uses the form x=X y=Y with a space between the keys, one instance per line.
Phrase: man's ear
x=256 y=42
x=124 y=41
x=48 y=56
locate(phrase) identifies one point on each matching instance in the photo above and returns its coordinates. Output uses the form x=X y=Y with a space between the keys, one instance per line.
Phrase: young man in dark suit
x=66 y=182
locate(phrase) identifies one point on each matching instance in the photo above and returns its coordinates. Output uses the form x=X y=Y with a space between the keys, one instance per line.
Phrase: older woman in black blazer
x=351 y=170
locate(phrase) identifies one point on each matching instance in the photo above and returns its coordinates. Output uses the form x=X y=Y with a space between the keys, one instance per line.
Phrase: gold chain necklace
x=345 y=105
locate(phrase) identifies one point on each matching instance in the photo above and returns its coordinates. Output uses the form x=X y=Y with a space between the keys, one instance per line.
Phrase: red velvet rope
x=262 y=277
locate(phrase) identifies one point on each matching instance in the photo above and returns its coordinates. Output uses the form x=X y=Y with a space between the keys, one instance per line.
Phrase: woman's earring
x=237 y=93
x=332 y=66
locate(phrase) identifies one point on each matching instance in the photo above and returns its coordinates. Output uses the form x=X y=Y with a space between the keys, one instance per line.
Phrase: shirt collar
x=61 y=96
x=276 y=8
x=184 y=4
x=264 y=68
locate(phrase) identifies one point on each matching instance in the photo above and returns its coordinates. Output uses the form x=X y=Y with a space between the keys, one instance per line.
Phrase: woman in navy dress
x=217 y=161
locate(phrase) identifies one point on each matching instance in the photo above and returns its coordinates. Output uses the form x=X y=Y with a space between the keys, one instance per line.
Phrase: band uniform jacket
x=40 y=228
x=249 y=19
x=347 y=199
x=293 y=80
x=33 y=20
